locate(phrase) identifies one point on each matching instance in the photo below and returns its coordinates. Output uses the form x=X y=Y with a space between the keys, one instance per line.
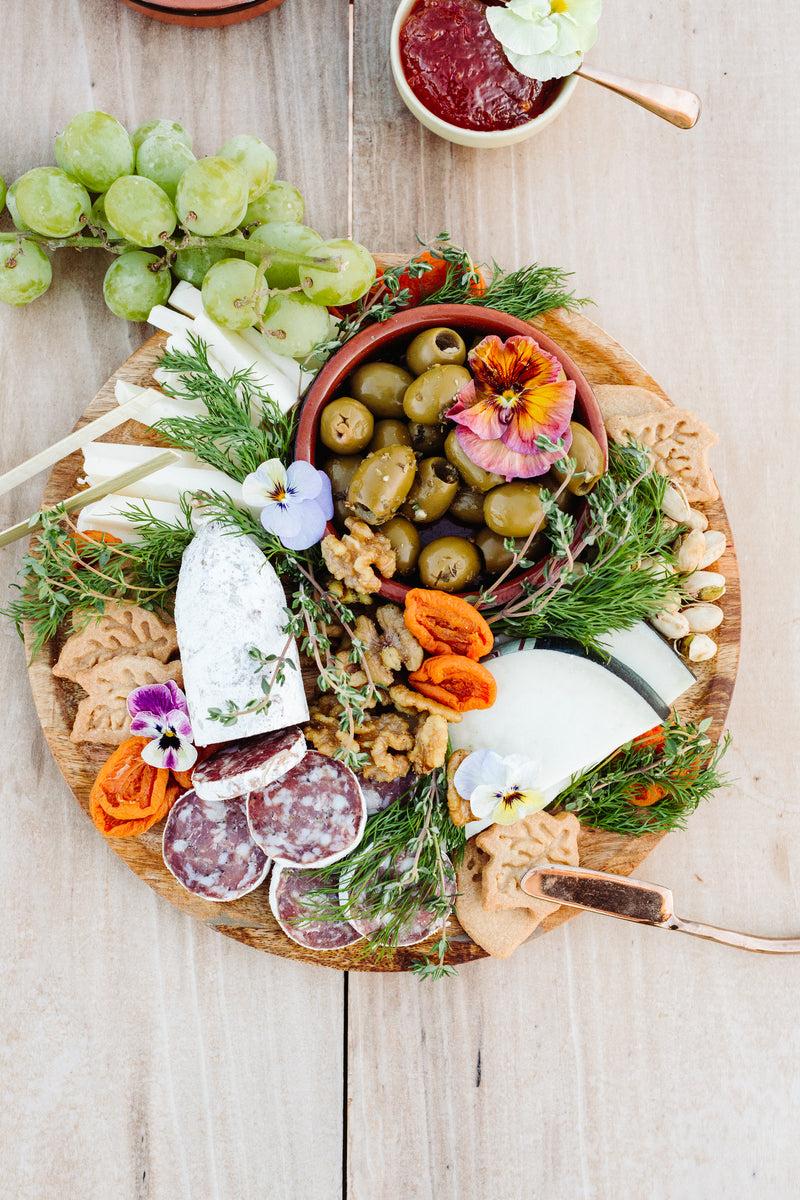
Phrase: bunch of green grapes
x=223 y=223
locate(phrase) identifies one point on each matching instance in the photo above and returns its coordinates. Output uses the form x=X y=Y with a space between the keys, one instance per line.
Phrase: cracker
x=498 y=933
x=457 y=806
x=102 y=716
x=513 y=849
x=678 y=442
x=122 y=629
x=621 y=400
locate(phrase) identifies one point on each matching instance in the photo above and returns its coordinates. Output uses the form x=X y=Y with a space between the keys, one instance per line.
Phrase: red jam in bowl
x=456 y=67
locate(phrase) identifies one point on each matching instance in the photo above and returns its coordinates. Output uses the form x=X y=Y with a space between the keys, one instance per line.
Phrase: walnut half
x=351 y=558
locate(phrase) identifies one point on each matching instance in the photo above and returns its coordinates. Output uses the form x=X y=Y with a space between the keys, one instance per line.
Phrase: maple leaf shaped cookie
x=498 y=933
x=678 y=442
x=122 y=629
x=513 y=849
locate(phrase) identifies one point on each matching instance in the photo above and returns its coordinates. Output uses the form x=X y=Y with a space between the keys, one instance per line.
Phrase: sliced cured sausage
x=289 y=892
x=208 y=848
x=378 y=796
x=423 y=923
x=311 y=816
x=248 y=765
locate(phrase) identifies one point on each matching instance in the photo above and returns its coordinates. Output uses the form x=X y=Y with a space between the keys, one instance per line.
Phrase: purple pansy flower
x=295 y=501
x=159 y=711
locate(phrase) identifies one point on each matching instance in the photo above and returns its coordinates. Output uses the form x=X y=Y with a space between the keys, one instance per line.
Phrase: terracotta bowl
x=202 y=14
x=388 y=341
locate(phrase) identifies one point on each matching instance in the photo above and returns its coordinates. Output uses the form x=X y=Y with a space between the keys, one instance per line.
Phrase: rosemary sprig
x=400 y=866
x=242 y=427
x=685 y=770
x=621 y=578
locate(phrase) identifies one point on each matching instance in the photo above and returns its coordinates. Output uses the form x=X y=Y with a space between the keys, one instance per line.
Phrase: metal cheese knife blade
x=634 y=900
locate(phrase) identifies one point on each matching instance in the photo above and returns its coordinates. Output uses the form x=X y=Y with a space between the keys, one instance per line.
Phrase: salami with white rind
x=313 y=815
x=288 y=897
x=229 y=601
x=208 y=848
x=248 y=765
x=423 y=924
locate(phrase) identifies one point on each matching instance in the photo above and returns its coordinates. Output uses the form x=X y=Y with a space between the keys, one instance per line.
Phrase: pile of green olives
x=397 y=463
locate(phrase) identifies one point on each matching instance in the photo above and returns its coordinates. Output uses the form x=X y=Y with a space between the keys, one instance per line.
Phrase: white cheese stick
x=168 y=321
x=108 y=516
x=187 y=299
x=104 y=460
x=298 y=378
x=155 y=405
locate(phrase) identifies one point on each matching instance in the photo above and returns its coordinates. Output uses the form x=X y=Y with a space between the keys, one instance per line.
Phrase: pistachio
x=703 y=618
x=705 y=585
x=674 y=505
x=658 y=566
x=690 y=552
x=672 y=625
x=697 y=519
x=715 y=546
x=699 y=647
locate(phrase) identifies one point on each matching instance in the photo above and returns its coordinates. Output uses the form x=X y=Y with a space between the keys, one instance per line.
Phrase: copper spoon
x=676 y=105
x=633 y=900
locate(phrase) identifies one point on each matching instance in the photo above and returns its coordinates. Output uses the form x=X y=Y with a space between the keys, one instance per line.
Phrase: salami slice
x=208 y=848
x=248 y=765
x=311 y=816
x=423 y=923
x=288 y=893
x=378 y=796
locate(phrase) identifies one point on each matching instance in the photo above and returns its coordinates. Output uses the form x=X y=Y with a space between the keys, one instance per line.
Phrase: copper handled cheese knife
x=633 y=900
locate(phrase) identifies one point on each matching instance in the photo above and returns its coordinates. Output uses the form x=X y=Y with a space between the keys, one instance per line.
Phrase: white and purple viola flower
x=502 y=789
x=159 y=711
x=295 y=501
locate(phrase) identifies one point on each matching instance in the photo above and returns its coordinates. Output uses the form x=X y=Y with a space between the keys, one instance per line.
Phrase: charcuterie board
x=249 y=919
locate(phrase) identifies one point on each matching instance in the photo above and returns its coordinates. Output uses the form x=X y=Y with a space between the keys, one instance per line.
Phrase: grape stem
x=79 y=241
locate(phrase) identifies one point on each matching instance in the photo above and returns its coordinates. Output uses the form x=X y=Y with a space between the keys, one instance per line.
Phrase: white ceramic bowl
x=454 y=133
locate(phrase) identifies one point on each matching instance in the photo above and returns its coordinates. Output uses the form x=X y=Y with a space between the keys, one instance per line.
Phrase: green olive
x=340 y=470
x=433 y=491
x=450 y=564
x=404 y=538
x=390 y=433
x=435 y=347
x=473 y=475
x=381 y=386
x=514 y=509
x=587 y=455
x=492 y=547
x=346 y=425
x=468 y=507
x=381 y=483
x=427 y=439
x=428 y=398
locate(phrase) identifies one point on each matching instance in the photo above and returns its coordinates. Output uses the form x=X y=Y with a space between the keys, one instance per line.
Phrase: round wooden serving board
x=249 y=920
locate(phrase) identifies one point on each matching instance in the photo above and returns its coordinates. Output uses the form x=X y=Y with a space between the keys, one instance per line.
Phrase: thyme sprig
x=401 y=865
x=277 y=665
x=686 y=769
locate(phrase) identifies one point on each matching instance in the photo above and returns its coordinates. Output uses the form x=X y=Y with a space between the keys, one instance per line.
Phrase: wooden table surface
x=143 y=1056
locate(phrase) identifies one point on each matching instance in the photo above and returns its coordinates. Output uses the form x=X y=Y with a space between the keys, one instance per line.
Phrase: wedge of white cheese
x=560 y=709
x=229 y=601
x=644 y=651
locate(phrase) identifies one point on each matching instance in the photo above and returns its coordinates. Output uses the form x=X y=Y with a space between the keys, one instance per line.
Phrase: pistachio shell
x=671 y=625
x=699 y=647
x=703 y=618
x=675 y=506
x=705 y=585
x=690 y=552
x=715 y=546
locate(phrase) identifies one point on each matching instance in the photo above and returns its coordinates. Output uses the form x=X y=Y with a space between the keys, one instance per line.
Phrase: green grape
x=99 y=220
x=212 y=197
x=51 y=203
x=171 y=129
x=25 y=272
x=354 y=277
x=95 y=149
x=229 y=294
x=255 y=158
x=11 y=205
x=282 y=235
x=2 y=192
x=280 y=202
x=296 y=324
x=163 y=159
x=193 y=264
x=135 y=283
x=140 y=210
